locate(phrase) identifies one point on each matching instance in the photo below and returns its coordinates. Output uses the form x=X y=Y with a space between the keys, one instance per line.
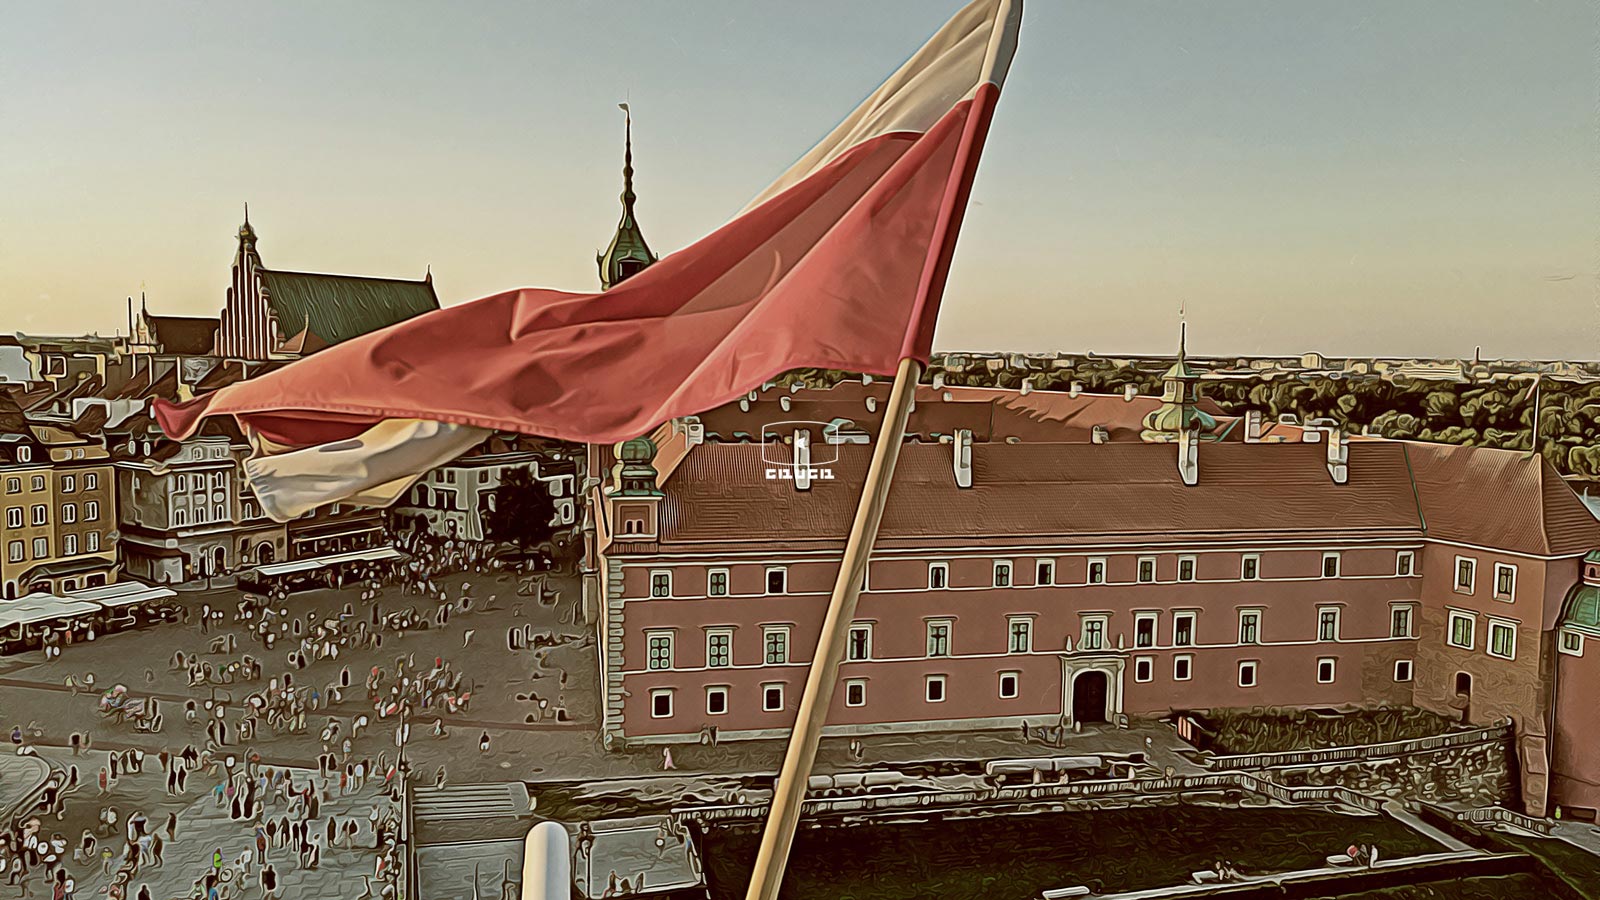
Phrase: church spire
x=628 y=253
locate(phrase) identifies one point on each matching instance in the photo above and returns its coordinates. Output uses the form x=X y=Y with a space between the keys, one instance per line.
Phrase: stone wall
x=1479 y=775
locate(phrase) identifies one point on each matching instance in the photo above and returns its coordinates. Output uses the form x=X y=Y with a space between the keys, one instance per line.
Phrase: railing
x=1358 y=752
x=1509 y=817
x=1033 y=793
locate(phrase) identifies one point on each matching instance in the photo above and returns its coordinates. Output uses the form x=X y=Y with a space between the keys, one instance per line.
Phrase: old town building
x=60 y=509
x=453 y=500
x=1021 y=578
x=277 y=314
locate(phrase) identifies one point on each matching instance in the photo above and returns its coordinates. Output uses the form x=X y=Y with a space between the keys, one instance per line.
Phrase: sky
x=1356 y=177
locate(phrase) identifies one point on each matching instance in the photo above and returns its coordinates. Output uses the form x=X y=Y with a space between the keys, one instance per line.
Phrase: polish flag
x=839 y=264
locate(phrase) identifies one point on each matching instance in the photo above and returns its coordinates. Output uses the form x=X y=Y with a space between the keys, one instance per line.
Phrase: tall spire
x=628 y=254
x=247 y=235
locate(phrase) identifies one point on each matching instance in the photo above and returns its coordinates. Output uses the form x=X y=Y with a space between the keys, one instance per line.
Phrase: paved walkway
x=21 y=777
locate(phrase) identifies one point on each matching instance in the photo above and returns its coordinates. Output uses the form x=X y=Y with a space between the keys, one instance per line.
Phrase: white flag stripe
x=373 y=469
x=974 y=47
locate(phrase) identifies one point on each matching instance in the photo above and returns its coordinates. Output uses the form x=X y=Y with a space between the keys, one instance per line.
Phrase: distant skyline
x=1354 y=178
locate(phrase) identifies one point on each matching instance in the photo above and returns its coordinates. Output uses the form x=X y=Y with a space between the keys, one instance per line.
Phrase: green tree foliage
x=522 y=513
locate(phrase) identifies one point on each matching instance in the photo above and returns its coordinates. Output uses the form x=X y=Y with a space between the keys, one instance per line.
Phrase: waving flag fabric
x=839 y=264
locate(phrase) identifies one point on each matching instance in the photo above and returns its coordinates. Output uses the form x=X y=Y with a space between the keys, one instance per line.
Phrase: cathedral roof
x=339 y=307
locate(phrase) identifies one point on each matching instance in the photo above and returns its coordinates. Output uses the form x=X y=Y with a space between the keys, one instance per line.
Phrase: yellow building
x=58 y=495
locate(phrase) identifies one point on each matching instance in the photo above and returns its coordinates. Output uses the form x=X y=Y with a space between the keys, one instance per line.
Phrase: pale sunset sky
x=1363 y=177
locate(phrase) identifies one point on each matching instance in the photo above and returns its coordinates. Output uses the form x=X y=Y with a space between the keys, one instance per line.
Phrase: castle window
x=1505 y=582
x=719 y=648
x=1008 y=685
x=1330 y=565
x=1405 y=563
x=1182 y=667
x=660 y=647
x=717 y=583
x=1466 y=574
x=939 y=637
x=661 y=703
x=1502 y=639
x=855 y=692
x=1045 y=572
x=934 y=689
x=772 y=697
x=661 y=584
x=1462 y=628
x=1402 y=670
x=716 y=700
x=1147 y=570
x=777 y=580
x=776 y=640
x=1002 y=573
x=1143 y=669
x=1571 y=642
x=1097 y=571
x=1247 y=672
x=938 y=575
x=1021 y=634
x=860 y=645
x=1325 y=670
x=1328 y=623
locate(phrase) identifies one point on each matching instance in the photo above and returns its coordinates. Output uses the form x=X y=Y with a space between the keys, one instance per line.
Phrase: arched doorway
x=264 y=554
x=219 y=561
x=1089 y=697
x=1464 y=696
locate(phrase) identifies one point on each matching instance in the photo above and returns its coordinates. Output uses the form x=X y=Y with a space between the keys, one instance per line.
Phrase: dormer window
x=24 y=454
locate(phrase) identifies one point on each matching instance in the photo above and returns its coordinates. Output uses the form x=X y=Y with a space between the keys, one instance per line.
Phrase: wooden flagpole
x=788 y=794
x=790 y=790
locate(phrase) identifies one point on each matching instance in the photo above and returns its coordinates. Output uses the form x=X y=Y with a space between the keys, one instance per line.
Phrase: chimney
x=802 y=459
x=1189 y=456
x=1338 y=456
x=1027 y=386
x=962 y=446
x=1252 y=426
x=694 y=431
x=1130 y=391
x=1075 y=389
x=938 y=380
x=1099 y=435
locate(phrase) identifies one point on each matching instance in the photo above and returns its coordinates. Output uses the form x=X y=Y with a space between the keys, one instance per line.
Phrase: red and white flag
x=839 y=264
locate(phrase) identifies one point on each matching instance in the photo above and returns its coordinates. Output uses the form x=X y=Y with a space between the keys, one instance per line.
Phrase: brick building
x=1019 y=579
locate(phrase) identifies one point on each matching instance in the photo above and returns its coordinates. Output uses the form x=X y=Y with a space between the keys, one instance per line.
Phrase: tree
x=521 y=511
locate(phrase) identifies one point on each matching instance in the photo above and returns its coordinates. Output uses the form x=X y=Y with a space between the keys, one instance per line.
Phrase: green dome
x=1583 y=608
x=637 y=450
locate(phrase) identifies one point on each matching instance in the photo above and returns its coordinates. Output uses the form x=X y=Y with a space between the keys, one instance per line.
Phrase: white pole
x=546 y=864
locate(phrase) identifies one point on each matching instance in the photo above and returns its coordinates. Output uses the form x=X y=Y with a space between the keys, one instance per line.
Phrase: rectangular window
x=14 y=517
x=1466 y=574
x=777 y=580
x=38 y=482
x=1094 y=633
x=69 y=545
x=855 y=692
x=41 y=548
x=1002 y=573
x=1008 y=685
x=41 y=514
x=772 y=698
x=1143 y=668
x=1097 y=571
x=661 y=584
x=69 y=513
x=1183 y=629
x=776 y=641
x=1147 y=569
x=1328 y=623
x=660 y=645
x=1021 y=635
x=661 y=703
x=1325 y=670
x=91 y=511
x=1400 y=620
x=183 y=482
x=1182 y=667
x=717 y=583
x=1247 y=673
x=934 y=689
x=1505 y=581
x=1571 y=642
x=860 y=645
x=15 y=551
x=1144 y=629
x=1462 y=628
x=1185 y=568
x=1330 y=565
x=94 y=541
x=939 y=638
x=1250 y=626
x=719 y=648
x=716 y=700
x=1405 y=562
x=91 y=481
x=1502 y=639
x=938 y=575
x=13 y=485
x=68 y=484
x=1045 y=572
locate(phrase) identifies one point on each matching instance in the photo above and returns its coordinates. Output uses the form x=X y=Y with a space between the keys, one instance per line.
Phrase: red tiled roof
x=1049 y=490
x=1508 y=499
